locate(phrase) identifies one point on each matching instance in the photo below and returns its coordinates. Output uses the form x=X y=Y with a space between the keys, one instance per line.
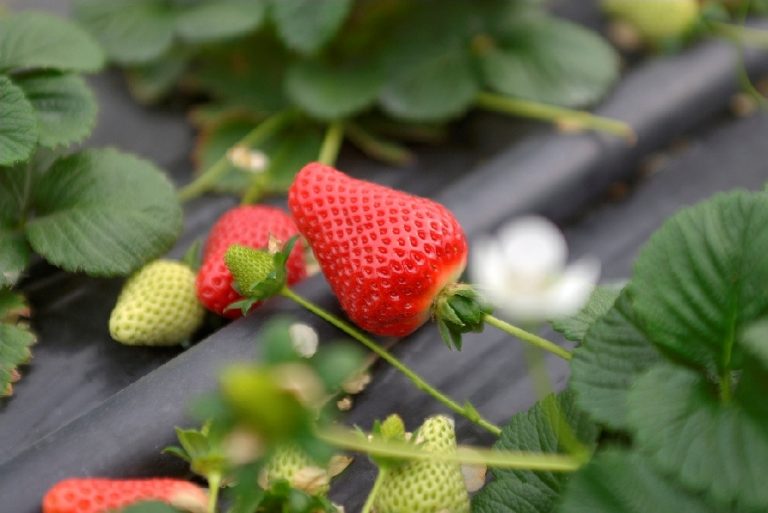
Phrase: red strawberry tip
x=459 y=309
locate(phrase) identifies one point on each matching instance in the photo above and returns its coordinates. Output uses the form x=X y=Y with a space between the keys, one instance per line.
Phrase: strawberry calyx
x=202 y=449
x=390 y=429
x=459 y=309
x=258 y=274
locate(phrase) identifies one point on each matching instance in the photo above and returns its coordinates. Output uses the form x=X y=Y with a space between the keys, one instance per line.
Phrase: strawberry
x=93 y=495
x=251 y=226
x=655 y=20
x=290 y=463
x=426 y=486
x=386 y=254
x=157 y=306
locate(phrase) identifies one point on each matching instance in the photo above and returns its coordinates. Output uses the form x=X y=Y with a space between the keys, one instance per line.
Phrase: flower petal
x=534 y=248
x=573 y=289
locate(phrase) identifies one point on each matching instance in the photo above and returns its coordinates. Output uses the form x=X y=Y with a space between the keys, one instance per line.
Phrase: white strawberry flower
x=524 y=272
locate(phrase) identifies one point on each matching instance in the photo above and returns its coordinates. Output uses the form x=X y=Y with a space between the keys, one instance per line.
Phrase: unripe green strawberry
x=248 y=266
x=655 y=19
x=158 y=306
x=291 y=464
x=426 y=486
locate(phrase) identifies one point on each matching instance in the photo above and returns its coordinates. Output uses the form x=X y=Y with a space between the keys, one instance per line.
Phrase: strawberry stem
x=214 y=484
x=378 y=147
x=346 y=438
x=334 y=136
x=546 y=112
x=368 y=506
x=747 y=36
x=527 y=336
x=466 y=411
x=263 y=131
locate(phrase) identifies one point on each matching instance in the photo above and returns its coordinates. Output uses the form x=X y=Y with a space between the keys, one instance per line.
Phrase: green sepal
x=201 y=448
x=458 y=310
x=392 y=429
x=193 y=257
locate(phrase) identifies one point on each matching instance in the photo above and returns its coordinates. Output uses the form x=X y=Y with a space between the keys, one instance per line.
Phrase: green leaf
x=700 y=279
x=31 y=40
x=65 y=107
x=131 y=31
x=617 y=481
x=219 y=19
x=152 y=81
x=614 y=352
x=440 y=89
x=600 y=302
x=150 y=507
x=15 y=341
x=18 y=125
x=523 y=490
x=14 y=189
x=329 y=91
x=291 y=152
x=337 y=363
x=551 y=61
x=103 y=212
x=249 y=74
x=214 y=141
x=307 y=25
x=14 y=256
x=710 y=445
x=12 y=306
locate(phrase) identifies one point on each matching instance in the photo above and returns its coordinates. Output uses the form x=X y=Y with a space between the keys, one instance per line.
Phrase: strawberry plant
x=669 y=368
x=97 y=211
x=285 y=81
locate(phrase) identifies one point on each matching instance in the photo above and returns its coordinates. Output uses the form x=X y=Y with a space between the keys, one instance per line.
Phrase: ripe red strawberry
x=386 y=254
x=93 y=495
x=251 y=226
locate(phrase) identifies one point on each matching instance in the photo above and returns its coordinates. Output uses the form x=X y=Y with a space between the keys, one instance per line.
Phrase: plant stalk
x=466 y=411
x=329 y=151
x=346 y=438
x=747 y=36
x=546 y=112
x=263 y=131
x=214 y=484
x=368 y=506
x=528 y=337
x=378 y=147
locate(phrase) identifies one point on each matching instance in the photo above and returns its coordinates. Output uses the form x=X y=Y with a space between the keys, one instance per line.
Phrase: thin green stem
x=467 y=411
x=378 y=147
x=214 y=484
x=256 y=188
x=368 y=506
x=334 y=135
x=263 y=131
x=528 y=337
x=725 y=386
x=542 y=385
x=346 y=438
x=748 y=36
x=546 y=112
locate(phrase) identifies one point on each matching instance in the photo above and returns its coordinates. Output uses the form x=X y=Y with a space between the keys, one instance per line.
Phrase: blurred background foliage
x=379 y=72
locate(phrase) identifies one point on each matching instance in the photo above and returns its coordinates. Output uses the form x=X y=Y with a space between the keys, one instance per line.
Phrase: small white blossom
x=242 y=157
x=523 y=272
x=304 y=338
